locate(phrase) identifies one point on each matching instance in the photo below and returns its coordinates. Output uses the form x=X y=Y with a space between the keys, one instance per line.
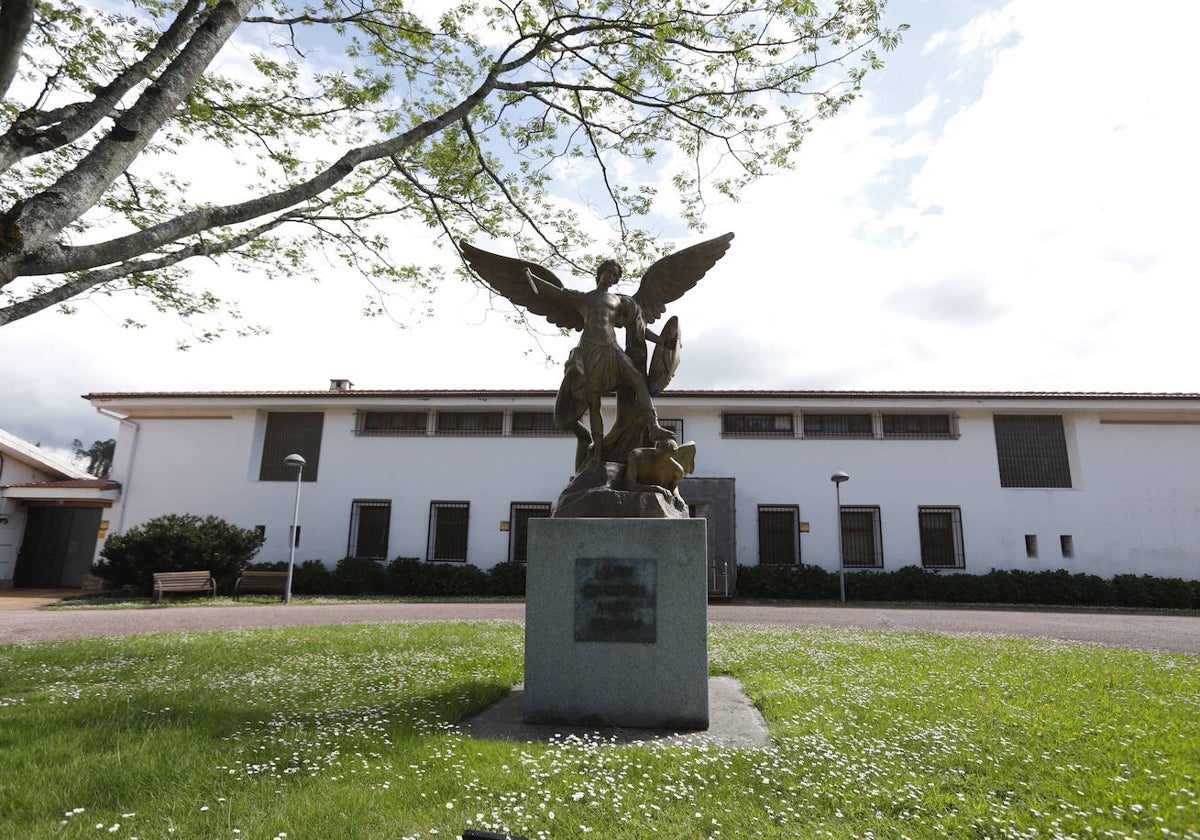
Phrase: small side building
x=51 y=516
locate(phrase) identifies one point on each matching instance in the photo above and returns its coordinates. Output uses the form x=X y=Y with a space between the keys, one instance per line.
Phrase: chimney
x=340 y=384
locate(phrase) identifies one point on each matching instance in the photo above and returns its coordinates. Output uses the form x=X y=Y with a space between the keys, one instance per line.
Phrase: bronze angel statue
x=599 y=366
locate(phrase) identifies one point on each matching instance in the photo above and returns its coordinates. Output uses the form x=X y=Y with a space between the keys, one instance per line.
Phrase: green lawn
x=346 y=732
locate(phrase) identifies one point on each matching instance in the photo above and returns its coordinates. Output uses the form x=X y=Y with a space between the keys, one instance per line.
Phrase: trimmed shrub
x=177 y=543
x=312 y=578
x=507 y=580
x=999 y=586
x=811 y=583
x=359 y=576
x=410 y=576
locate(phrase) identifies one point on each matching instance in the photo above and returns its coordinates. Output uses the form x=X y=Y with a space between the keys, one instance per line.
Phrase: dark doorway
x=713 y=499
x=58 y=546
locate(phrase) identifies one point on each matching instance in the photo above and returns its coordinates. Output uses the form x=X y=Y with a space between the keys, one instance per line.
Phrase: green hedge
x=177 y=543
x=404 y=576
x=912 y=583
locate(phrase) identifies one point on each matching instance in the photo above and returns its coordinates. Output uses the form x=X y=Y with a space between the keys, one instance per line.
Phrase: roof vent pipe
x=340 y=384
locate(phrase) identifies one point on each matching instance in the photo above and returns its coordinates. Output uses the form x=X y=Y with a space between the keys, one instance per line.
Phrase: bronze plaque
x=616 y=600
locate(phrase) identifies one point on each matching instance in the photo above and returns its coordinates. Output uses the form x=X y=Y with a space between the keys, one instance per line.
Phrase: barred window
x=391 y=423
x=778 y=535
x=519 y=514
x=534 y=423
x=941 y=537
x=448 y=530
x=1032 y=450
x=862 y=538
x=673 y=425
x=757 y=425
x=918 y=426
x=838 y=425
x=287 y=433
x=470 y=422
x=370 y=524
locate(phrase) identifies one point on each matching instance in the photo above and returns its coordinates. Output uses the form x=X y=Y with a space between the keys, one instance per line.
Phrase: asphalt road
x=1178 y=634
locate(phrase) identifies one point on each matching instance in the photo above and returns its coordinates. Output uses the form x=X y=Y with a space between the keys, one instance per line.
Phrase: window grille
x=757 y=425
x=779 y=535
x=470 y=422
x=448 y=531
x=519 y=515
x=391 y=423
x=673 y=425
x=370 y=524
x=918 y=426
x=534 y=423
x=941 y=537
x=287 y=433
x=1032 y=450
x=838 y=425
x=862 y=538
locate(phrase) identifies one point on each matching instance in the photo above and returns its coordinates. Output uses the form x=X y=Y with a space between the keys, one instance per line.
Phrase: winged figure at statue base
x=599 y=366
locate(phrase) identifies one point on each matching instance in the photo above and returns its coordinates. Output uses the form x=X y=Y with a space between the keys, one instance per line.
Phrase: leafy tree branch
x=333 y=116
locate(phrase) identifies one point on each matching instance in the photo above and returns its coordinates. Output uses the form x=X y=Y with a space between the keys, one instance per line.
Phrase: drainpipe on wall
x=125 y=484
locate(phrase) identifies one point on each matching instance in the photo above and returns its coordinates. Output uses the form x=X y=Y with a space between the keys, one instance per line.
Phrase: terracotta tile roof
x=726 y=394
x=73 y=484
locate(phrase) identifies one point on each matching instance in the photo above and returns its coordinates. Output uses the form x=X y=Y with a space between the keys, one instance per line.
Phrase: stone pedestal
x=616 y=623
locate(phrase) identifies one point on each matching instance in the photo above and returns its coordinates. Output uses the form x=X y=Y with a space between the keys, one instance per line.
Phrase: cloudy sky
x=1009 y=207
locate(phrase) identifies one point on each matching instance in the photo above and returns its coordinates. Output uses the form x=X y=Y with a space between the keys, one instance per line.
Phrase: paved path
x=1180 y=634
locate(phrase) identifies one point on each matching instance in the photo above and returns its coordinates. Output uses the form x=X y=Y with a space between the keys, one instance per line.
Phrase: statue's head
x=667 y=446
x=608 y=273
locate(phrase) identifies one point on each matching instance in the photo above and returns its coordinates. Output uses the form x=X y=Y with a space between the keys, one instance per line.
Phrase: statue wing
x=686 y=456
x=669 y=278
x=528 y=285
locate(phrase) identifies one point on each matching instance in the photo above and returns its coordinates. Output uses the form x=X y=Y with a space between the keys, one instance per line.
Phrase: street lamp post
x=837 y=478
x=298 y=462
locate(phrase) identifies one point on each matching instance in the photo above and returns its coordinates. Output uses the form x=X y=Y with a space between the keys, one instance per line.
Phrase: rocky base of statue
x=595 y=492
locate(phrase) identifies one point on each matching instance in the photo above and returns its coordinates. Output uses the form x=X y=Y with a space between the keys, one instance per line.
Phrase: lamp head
x=294 y=460
x=839 y=476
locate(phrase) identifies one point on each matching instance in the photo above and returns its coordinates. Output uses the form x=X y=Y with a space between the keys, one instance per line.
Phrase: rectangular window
x=674 y=426
x=370 y=524
x=757 y=425
x=862 y=538
x=778 y=535
x=519 y=514
x=470 y=422
x=1031 y=545
x=1032 y=450
x=917 y=426
x=1066 y=543
x=391 y=423
x=838 y=425
x=448 y=531
x=534 y=423
x=941 y=537
x=291 y=433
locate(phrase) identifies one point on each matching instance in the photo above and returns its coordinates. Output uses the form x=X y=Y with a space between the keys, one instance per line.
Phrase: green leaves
x=512 y=121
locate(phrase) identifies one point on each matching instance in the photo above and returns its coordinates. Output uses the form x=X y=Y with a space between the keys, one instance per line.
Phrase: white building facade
x=1099 y=483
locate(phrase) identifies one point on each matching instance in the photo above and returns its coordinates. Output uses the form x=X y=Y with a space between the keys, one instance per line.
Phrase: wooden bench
x=270 y=582
x=183 y=582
